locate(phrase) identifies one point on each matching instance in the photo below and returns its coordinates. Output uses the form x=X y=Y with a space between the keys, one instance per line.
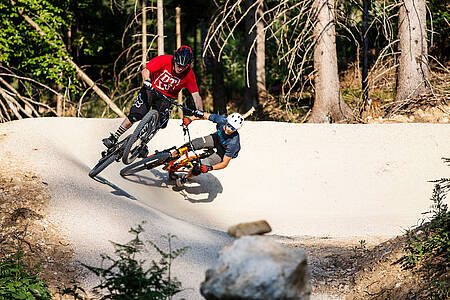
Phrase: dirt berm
x=328 y=180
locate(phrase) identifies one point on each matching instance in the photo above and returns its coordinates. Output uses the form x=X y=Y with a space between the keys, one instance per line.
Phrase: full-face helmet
x=183 y=56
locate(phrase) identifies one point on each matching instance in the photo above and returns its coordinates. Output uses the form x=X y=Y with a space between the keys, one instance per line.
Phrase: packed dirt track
x=310 y=180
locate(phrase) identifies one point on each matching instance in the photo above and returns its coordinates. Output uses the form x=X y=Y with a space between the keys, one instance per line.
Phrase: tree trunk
x=365 y=68
x=196 y=65
x=328 y=104
x=160 y=27
x=218 y=85
x=255 y=90
x=260 y=54
x=413 y=73
x=58 y=100
x=144 y=34
x=178 y=35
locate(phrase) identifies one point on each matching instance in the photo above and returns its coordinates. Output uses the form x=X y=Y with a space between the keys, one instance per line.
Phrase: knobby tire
x=147 y=163
x=102 y=164
x=130 y=153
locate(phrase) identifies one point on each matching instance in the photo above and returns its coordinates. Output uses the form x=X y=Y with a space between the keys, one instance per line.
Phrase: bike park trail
x=320 y=180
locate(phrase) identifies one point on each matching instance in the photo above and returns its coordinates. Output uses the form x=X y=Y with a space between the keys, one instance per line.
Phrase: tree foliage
x=22 y=48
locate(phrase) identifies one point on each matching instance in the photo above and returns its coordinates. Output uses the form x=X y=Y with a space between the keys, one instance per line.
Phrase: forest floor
x=351 y=268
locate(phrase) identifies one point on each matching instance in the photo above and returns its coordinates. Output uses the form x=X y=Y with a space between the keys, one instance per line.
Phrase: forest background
x=294 y=61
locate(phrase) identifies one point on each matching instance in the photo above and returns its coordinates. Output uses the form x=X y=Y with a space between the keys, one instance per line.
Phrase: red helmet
x=183 y=56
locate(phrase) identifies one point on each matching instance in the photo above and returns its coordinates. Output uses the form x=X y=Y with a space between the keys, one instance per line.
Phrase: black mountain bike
x=135 y=144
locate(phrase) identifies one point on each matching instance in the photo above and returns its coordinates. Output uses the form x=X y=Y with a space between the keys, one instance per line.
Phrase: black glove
x=148 y=84
x=198 y=113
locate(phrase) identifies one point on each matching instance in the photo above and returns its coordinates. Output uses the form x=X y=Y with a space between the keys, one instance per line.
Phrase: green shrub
x=427 y=246
x=17 y=283
x=127 y=278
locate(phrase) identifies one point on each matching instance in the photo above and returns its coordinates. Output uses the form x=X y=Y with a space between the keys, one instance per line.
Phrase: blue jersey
x=228 y=145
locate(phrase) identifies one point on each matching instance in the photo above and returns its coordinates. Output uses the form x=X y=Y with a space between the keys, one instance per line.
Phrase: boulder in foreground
x=258 y=268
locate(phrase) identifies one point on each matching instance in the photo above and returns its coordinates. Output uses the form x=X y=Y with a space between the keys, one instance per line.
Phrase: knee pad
x=198 y=143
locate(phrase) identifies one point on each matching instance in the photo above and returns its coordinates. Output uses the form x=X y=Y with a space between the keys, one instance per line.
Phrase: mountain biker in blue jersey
x=225 y=142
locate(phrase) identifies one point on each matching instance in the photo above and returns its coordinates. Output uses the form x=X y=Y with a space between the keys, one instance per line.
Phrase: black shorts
x=146 y=100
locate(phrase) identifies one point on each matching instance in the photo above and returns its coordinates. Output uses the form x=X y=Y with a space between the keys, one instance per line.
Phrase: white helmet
x=236 y=120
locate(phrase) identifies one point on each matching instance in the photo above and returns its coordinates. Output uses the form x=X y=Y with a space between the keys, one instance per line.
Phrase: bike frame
x=185 y=159
x=176 y=165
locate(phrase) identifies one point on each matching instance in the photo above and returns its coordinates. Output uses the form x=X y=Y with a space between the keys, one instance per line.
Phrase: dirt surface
x=23 y=207
x=354 y=267
x=359 y=269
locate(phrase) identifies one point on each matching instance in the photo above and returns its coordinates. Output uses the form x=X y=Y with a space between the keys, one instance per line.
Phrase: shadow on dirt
x=201 y=189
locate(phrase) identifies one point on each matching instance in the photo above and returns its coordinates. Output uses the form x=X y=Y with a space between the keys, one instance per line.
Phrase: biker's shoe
x=181 y=181
x=144 y=152
x=173 y=176
x=110 y=141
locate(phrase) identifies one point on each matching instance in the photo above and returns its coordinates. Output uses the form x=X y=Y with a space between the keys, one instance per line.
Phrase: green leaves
x=17 y=283
x=428 y=246
x=22 y=47
x=128 y=277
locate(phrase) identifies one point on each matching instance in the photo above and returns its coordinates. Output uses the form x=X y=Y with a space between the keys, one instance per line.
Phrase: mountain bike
x=135 y=144
x=152 y=122
x=183 y=162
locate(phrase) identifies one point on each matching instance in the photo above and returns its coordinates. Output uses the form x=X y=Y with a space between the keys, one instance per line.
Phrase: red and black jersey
x=166 y=81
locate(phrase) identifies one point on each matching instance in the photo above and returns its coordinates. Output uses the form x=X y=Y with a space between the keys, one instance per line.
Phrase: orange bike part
x=176 y=165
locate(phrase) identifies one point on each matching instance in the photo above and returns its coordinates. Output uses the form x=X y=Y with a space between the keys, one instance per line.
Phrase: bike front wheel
x=102 y=164
x=150 y=162
x=143 y=133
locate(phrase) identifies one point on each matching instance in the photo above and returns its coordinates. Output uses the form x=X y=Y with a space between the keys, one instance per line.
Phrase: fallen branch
x=23 y=99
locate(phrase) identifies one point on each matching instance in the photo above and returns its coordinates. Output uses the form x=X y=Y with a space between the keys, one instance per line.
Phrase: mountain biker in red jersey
x=168 y=74
x=225 y=141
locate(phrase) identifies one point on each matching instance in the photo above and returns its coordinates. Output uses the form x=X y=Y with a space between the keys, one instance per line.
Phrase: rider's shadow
x=201 y=189
x=117 y=191
x=195 y=189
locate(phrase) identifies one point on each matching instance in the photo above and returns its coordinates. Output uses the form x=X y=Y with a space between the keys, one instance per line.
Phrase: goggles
x=231 y=127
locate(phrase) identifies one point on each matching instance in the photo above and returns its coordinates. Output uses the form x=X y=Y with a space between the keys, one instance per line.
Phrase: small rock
x=251 y=228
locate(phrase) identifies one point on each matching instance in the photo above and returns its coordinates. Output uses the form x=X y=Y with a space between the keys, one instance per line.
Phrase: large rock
x=257 y=267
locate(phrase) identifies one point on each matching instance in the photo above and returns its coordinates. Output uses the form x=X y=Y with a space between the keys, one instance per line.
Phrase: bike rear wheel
x=147 y=163
x=102 y=164
x=143 y=133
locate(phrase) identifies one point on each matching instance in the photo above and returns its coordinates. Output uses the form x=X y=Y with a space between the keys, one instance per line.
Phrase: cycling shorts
x=146 y=100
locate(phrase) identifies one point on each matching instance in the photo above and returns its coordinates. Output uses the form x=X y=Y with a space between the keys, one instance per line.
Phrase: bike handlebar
x=171 y=101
